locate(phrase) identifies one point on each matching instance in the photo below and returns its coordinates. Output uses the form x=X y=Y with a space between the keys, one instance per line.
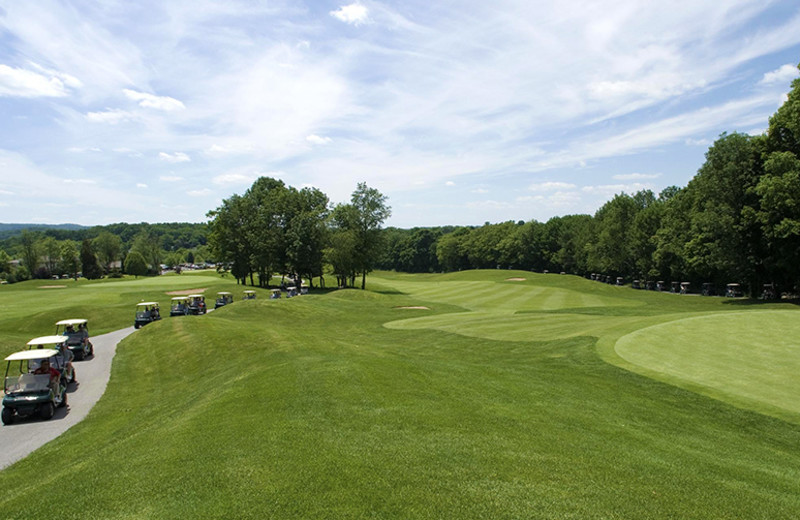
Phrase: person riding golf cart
x=769 y=292
x=733 y=290
x=77 y=333
x=675 y=287
x=197 y=304
x=275 y=294
x=223 y=298
x=660 y=285
x=685 y=287
x=708 y=289
x=32 y=386
x=63 y=360
x=249 y=294
x=146 y=312
x=180 y=306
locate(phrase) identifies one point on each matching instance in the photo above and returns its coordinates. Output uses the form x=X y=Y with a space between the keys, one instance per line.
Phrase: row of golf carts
x=37 y=378
x=195 y=304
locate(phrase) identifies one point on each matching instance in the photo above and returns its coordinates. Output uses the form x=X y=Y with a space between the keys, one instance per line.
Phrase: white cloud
x=550 y=186
x=449 y=183
x=315 y=139
x=177 y=157
x=480 y=191
x=238 y=178
x=635 y=176
x=79 y=181
x=697 y=142
x=110 y=116
x=199 y=193
x=354 y=14
x=165 y=103
x=784 y=74
x=141 y=185
x=170 y=178
x=6 y=192
x=16 y=82
x=80 y=149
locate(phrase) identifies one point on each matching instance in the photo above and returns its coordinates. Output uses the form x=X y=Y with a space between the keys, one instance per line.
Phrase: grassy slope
x=311 y=407
x=31 y=309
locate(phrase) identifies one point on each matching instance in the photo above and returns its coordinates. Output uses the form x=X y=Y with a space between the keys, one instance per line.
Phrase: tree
x=89 y=264
x=108 y=247
x=135 y=264
x=148 y=244
x=30 y=251
x=343 y=250
x=370 y=213
x=70 y=258
x=51 y=252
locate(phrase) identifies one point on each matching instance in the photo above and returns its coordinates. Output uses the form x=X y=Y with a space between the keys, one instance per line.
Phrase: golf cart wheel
x=79 y=355
x=135 y=325
x=74 y=376
x=8 y=416
x=47 y=410
x=91 y=349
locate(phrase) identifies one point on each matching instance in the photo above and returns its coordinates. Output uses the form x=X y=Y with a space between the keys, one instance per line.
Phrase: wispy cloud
x=315 y=139
x=16 y=82
x=784 y=74
x=550 y=186
x=177 y=157
x=110 y=116
x=355 y=14
x=146 y=100
x=635 y=176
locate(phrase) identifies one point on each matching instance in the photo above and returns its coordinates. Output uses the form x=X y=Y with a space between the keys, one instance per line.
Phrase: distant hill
x=9 y=230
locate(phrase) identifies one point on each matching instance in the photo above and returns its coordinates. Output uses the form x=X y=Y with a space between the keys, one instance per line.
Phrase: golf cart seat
x=74 y=338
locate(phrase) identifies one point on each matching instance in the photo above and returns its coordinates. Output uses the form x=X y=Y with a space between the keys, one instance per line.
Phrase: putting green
x=751 y=356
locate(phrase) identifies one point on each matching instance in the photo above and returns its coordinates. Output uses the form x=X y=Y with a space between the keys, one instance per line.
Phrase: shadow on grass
x=751 y=302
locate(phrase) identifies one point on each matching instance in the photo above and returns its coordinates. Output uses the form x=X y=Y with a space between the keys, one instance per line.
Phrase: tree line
x=40 y=252
x=737 y=220
x=275 y=228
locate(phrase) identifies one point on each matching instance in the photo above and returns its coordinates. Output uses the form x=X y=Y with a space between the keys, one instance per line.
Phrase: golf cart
x=685 y=287
x=223 y=298
x=708 y=289
x=146 y=312
x=291 y=291
x=304 y=289
x=733 y=290
x=660 y=285
x=249 y=294
x=675 y=287
x=77 y=333
x=636 y=284
x=197 y=304
x=769 y=292
x=179 y=306
x=275 y=294
x=27 y=393
x=63 y=358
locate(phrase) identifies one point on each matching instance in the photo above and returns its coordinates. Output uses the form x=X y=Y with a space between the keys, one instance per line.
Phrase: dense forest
x=737 y=220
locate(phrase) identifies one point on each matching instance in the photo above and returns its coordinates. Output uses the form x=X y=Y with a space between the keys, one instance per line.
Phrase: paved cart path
x=21 y=438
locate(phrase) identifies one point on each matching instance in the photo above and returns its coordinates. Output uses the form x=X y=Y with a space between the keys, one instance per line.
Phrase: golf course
x=478 y=394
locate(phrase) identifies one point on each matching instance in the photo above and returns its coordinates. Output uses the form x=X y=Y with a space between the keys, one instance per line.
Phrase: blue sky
x=460 y=112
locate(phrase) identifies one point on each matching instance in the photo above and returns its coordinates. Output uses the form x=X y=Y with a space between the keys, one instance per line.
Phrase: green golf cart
x=26 y=394
x=77 y=333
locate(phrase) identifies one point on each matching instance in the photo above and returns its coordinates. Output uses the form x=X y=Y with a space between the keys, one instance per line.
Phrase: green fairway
x=493 y=401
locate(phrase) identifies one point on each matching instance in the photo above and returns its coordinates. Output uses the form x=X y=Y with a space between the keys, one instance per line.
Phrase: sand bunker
x=187 y=292
x=52 y=286
x=416 y=307
x=515 y=279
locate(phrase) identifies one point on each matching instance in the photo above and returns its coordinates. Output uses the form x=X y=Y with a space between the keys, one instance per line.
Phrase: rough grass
x=314 y=408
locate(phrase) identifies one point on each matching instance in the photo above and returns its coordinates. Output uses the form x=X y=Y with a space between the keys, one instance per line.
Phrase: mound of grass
x=320 y=407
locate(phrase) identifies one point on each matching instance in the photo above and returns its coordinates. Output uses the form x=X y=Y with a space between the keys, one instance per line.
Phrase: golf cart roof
x=733 y=285
x=143 y=304
x=195 y=296
x=248 y=291
x=275 y=290
x=686 y=283
x=223 y=293
x=48 y=340
x=32 y=354
x=76 y=321
x=179 y=298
